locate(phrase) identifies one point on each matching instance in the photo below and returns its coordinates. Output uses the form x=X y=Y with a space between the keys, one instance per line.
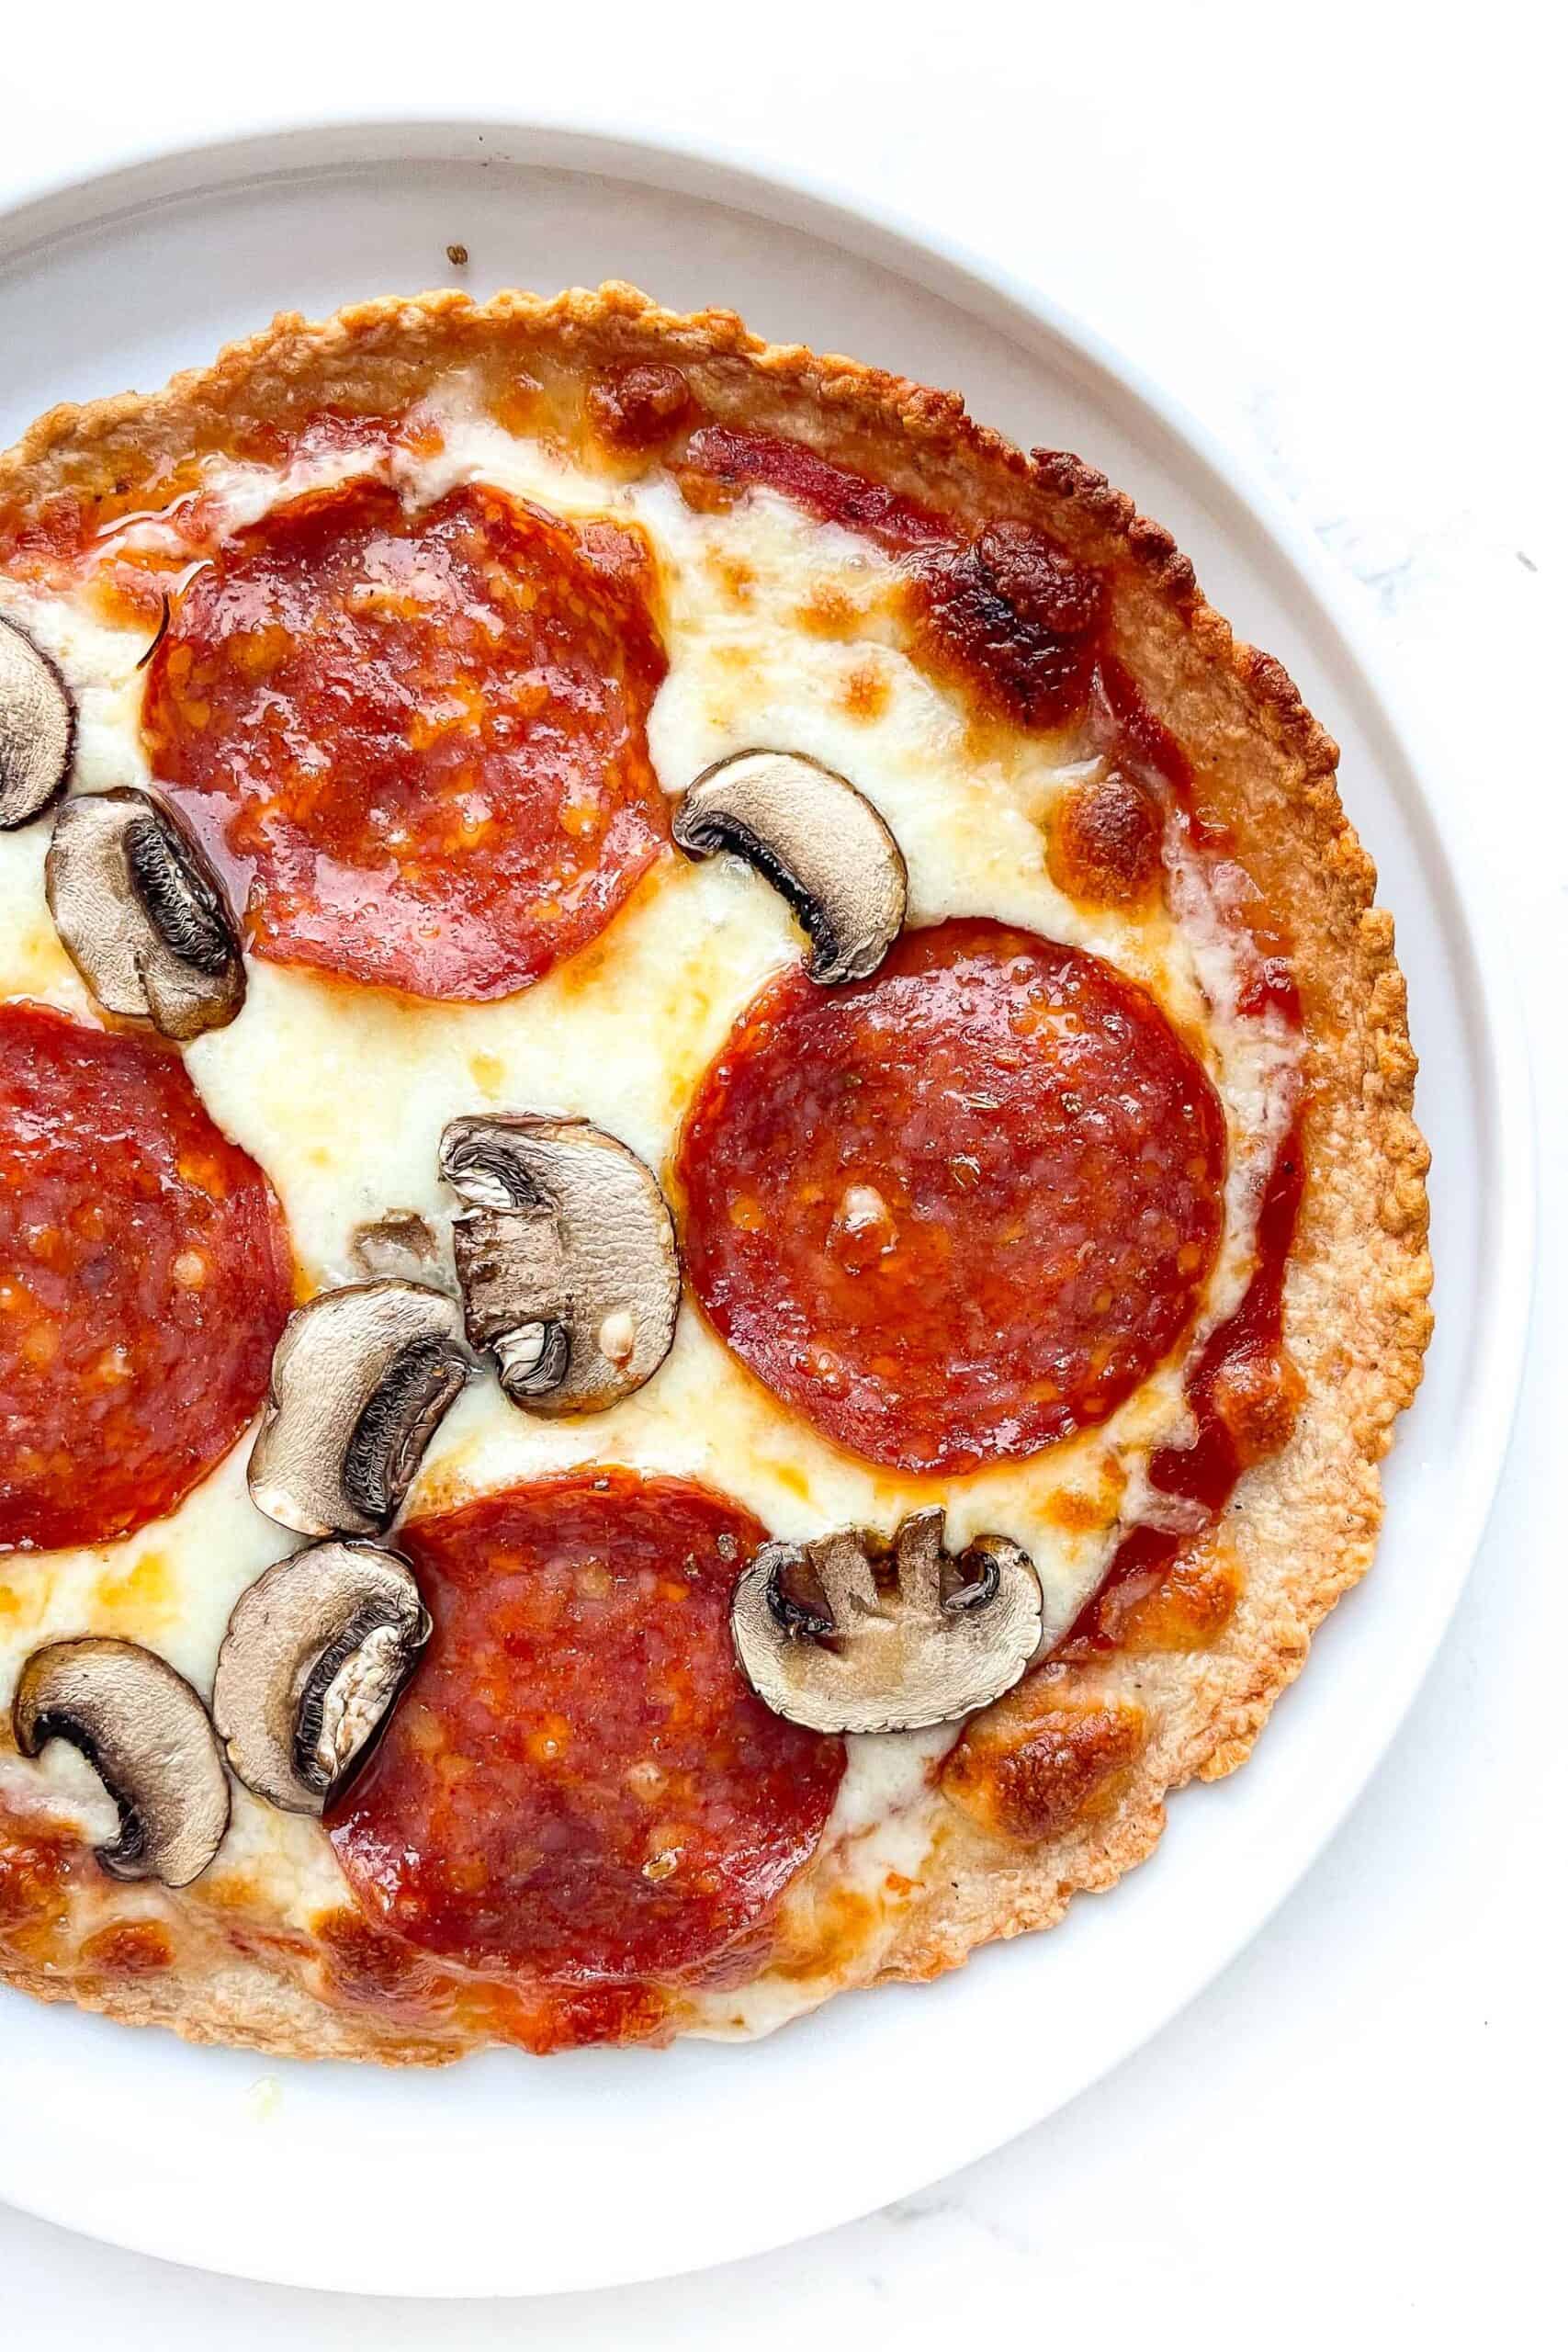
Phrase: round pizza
x=709 y=1220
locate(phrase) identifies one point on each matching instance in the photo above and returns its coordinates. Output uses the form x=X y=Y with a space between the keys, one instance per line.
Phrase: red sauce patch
x=1049 y=1755
x=1244 y=1393
x=958 y=1211
x=144 y=1278
x=579 y=1784
x=741 y=461
x=416 y=744
x=1271 y=988
x=1127 y=726
x=1144 y=748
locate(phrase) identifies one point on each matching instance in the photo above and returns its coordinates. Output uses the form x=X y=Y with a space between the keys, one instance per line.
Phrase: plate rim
x=261 y=151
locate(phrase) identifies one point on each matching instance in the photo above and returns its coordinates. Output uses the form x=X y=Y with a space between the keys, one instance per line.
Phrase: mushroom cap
x=146 y=1734
x=817 y=841
x=143 y=915
x=566 y=1256
x=361 y=1378
x=828 y=1641
x=38 y=727
x=317 y=1652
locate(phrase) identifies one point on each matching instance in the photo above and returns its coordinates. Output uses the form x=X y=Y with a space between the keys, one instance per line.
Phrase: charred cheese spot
x=1086 y=1509
x=1013 y=619
x=358 y=1964
x=640 y=407
x=1044 y=1759
x=706 y=493
x=519 y=405
x=865 y=693
x=829 y=1938
x=1103 y=845
x=127 y=1948
x=830 y=611
x=1184 y=1607
x=35 y=1892
x=1256 y=1396
x=138 y=1600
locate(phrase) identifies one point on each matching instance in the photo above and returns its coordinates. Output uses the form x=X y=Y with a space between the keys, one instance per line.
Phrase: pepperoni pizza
x=708 y=1213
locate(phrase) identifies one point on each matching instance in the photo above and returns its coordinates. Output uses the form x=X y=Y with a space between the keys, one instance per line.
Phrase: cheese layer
x=779 y=630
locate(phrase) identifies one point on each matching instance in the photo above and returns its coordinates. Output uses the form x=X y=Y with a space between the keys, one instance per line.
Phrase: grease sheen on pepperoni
x=958 y=1211
x=416 y=744
x=578 y=1783
x=144 y=1278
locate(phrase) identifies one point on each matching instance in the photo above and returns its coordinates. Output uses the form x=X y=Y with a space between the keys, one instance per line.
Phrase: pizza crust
x=1302 y=1525
x=238 y=2004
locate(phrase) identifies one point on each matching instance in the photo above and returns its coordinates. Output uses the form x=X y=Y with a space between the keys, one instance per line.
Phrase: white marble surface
x=1334 y=232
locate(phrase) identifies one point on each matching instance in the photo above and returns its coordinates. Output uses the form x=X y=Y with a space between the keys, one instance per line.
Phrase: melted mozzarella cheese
x=779 y=629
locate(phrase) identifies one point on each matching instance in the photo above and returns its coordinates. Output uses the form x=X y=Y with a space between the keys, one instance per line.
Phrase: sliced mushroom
x=38 y=727
x=317 y=1652
x=141 y=914
x=566 y=1255
x=146 y=1734
x=817 y=841
x=361 y=1380
x=849 y=1634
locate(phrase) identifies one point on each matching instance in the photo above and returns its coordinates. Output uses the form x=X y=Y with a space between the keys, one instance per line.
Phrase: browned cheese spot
x=1044 y=1759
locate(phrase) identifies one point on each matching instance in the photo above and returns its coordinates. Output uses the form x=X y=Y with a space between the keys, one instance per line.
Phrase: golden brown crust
x=1357 y=1314
x=238 y=2004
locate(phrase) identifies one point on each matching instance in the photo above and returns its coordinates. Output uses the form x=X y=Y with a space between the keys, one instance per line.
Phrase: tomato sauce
x=1243 y=1355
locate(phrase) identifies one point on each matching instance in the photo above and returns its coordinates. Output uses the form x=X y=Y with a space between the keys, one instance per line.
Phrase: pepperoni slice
x=144 y=1278
x=579 y=1784
x=416 y=744
x=958 y=1211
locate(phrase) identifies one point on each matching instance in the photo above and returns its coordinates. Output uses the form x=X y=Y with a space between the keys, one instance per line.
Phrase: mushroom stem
x=849 y=1634
x=566 y=1258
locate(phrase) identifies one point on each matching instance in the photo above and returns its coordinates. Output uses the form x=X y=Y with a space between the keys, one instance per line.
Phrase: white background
x=1336 y=232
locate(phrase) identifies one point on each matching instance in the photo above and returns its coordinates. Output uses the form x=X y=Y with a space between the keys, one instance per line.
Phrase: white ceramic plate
x=511 y=2175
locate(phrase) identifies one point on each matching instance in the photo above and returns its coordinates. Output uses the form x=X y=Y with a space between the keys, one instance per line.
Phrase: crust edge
x=918 y=432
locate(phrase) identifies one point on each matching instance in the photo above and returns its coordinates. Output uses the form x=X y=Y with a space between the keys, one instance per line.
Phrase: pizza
x=709 y=1219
